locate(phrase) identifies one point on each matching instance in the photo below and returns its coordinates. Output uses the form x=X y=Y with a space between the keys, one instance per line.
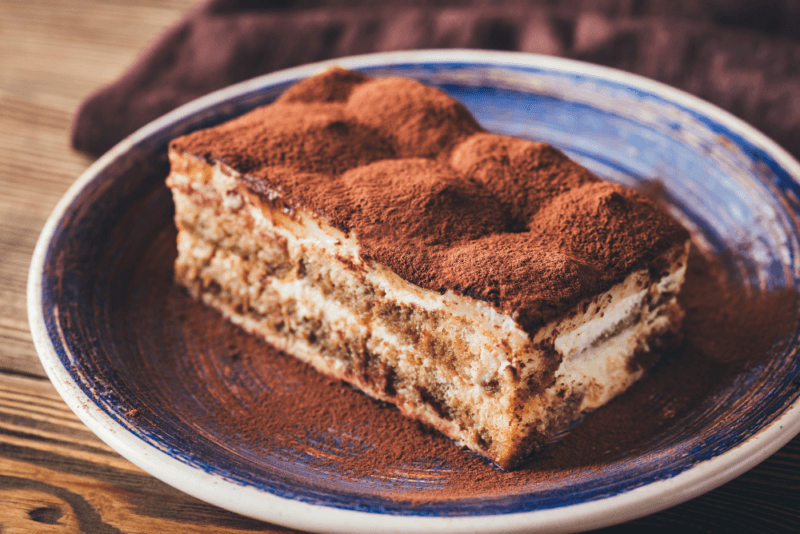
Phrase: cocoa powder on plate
x=265 y=400
x=356 y=152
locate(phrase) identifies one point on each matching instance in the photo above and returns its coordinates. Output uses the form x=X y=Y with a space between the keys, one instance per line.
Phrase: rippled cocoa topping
x=333 y=85
x=422 y=121
x=433 y=197
x=311 y=137
x=521 y=174
x=385 y=193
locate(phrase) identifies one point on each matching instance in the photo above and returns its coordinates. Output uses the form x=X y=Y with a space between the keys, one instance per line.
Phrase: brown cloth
x=743 y=55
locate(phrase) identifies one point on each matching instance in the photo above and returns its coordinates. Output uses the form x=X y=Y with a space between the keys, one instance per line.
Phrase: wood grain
x=52 y=55
x=55 y=475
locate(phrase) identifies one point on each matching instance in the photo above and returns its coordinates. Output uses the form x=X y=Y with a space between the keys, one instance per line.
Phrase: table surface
x=55 y=475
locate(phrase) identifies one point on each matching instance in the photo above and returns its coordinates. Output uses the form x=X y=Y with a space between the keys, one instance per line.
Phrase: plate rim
x=249 y=501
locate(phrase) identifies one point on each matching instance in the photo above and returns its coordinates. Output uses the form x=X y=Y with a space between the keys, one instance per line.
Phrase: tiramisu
x=487 y=286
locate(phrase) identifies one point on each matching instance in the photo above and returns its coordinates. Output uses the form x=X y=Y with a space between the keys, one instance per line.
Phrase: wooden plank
x=53 y=55
x=56 y=476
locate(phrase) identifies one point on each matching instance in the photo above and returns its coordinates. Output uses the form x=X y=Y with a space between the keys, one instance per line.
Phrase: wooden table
x=55 y=475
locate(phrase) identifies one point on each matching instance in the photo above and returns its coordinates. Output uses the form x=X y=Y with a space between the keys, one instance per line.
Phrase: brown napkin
x=742 y=55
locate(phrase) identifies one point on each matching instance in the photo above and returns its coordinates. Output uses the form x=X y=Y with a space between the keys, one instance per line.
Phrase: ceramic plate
x=113 y=332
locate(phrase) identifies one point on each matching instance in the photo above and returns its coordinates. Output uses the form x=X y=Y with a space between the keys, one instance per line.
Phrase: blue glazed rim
x=279 y=501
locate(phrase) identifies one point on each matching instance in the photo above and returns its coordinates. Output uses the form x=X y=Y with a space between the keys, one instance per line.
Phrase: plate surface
x=134 y=357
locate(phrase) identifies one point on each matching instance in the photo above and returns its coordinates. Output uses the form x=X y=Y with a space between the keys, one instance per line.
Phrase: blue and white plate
x=104 y=316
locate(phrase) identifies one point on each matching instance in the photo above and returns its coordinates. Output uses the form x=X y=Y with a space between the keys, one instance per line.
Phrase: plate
x=209 y=409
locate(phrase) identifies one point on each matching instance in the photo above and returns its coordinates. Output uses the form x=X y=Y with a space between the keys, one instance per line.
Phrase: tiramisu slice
x=485 y=285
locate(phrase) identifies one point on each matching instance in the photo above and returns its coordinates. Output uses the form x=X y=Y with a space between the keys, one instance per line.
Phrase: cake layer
x=452 y=361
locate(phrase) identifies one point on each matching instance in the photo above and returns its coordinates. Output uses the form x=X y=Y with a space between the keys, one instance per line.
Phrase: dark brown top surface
x=437 y=199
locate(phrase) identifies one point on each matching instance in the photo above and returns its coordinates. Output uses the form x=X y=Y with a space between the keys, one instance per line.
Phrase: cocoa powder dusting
x=241 y=393
x=436 y=199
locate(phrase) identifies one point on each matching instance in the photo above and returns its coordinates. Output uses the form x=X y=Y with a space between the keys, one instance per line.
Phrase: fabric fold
x=741 y=55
